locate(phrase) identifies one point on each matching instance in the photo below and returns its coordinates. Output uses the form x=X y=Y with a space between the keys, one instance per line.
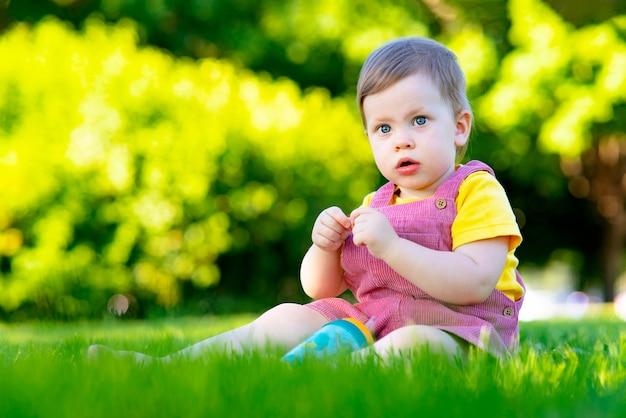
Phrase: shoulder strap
x=383 y=195
x=450 y=187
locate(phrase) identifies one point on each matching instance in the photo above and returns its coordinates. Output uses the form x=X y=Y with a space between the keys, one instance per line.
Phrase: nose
x=404 y=140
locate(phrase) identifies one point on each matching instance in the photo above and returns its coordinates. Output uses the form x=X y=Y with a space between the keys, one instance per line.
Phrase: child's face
x=414 y=135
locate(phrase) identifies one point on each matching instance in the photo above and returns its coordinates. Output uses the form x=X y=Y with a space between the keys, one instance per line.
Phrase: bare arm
x=464 y=276
x=321 y=274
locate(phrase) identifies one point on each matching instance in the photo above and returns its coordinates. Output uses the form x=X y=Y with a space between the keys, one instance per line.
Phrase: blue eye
x=420 y=120
x=385 y=129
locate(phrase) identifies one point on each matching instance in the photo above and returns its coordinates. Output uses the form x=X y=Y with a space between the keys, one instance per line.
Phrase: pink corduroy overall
x=395 y=302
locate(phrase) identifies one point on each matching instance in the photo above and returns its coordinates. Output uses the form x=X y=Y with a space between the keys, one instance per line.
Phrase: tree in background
x=566 y=88
x=127 y=170
x=264 y=198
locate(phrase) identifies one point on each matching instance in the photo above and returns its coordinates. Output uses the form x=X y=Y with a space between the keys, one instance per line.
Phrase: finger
x=357 y=239
x=330 y=235
x=328 y=240
x=361 y=211
x=337 y=215
x=328 y=230
x=326 y=244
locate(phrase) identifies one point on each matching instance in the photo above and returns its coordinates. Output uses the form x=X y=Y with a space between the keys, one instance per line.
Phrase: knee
x=287 y=324
x=283 y=311
x=294 y=313
x=415 y=337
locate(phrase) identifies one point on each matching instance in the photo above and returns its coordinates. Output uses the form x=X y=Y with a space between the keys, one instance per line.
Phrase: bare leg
x=415 y=337
x=284 y=325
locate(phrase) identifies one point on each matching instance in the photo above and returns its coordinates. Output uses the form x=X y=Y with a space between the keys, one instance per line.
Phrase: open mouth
x=407 y=167
x=405 y=162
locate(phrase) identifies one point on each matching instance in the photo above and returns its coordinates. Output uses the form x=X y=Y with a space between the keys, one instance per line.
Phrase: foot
x=98 y=352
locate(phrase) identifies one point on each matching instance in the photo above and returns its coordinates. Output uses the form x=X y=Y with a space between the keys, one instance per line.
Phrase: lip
x=407 y=166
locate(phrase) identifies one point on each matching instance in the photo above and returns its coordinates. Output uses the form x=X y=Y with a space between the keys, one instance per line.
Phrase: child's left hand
x=372 y=229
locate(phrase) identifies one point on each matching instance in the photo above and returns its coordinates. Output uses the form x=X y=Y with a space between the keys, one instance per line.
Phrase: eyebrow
x=420 y=110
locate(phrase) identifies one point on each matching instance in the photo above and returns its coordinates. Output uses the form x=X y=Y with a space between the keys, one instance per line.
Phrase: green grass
x=564 y=369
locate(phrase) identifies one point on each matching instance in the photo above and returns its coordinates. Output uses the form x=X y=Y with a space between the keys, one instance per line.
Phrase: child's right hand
x=331 y=228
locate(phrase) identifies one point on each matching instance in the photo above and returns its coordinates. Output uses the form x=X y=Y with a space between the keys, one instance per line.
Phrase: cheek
x=379 y=153
x=380 y=158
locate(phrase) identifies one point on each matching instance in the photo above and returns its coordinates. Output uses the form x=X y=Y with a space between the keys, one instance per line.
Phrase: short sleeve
x=483 y=212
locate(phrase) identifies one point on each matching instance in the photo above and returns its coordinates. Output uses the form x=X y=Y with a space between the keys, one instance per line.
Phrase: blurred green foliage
x=561 y=90
x=126 y=170
x=316 y=43
x=160 y=148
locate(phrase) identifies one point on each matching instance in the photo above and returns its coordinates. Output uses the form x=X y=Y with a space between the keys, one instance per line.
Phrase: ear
x=463 y=128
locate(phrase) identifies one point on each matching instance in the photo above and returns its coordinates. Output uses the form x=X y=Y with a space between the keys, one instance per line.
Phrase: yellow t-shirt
x=483 y=212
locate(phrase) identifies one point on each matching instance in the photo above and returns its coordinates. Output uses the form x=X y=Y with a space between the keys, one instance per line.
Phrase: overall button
x=440 y=203
x=508 y=312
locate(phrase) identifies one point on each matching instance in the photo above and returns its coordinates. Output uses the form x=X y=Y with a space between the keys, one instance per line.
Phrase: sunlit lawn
x=564 y=369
